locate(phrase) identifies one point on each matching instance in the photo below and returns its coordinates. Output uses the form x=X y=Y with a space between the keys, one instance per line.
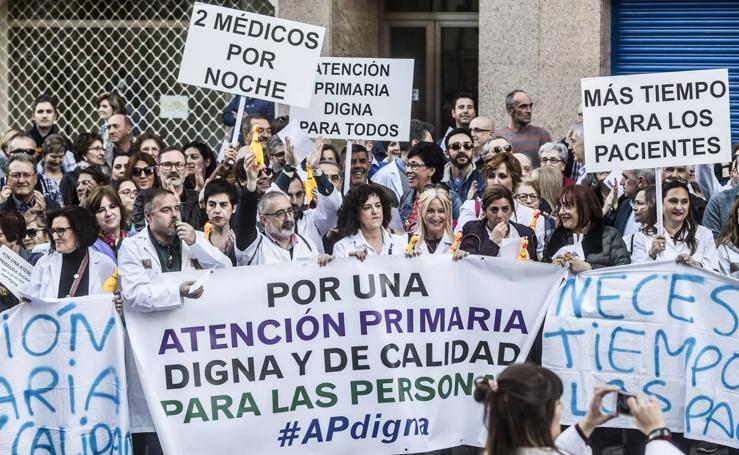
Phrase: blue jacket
x=718 y=210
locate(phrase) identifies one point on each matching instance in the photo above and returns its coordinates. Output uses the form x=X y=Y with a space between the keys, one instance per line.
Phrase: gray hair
x=554 y=146
x=23 y=158
x=647 y=174
x=266 y=199
x=577 y=130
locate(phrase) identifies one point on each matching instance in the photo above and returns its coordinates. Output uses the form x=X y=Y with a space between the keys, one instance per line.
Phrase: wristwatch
x=660 y=433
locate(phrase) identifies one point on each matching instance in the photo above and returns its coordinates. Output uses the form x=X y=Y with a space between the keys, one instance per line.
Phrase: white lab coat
x=264 y=250
x=705 y=253
x=444 y=244
x=46 y=274
x=392 y=245
x=143 y=289
x=726 y=255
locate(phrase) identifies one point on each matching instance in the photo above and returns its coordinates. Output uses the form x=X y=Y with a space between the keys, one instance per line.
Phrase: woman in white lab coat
x=72 y=268
x=433 y=234
x=683 y=239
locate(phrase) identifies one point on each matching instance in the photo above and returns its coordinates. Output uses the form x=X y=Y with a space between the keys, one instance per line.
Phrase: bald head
x=482 y=128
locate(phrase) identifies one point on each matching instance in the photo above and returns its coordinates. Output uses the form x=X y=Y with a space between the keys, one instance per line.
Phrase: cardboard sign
x=656 y=120
x=15 y=272
x=360 y=98
x=250 y=54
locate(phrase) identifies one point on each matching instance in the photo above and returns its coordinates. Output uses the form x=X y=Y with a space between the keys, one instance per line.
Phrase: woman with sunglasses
x=142 y=169
x=434 y=233
x=362 y=224
x=495 y=234
x=683 y=240
x=727 y=254
x=36 y=241
x=582 y=241
x=110 y=217
x=73 y=268
x=425 y=166
x=88 y=152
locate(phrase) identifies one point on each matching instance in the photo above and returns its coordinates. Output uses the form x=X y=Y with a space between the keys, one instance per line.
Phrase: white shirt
x=726 y=255
x=391 y=245
x=705 y=252
x=265 y=250
x=47 y=273
x=442 y=248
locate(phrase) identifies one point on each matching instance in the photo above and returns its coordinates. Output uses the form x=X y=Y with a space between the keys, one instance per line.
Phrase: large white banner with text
x=365 y=357
x=663 y=330
x=63 y=379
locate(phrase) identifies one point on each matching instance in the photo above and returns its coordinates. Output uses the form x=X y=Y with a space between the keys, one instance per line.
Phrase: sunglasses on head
x=502 y=148
x=139 y=171
x=459 y=145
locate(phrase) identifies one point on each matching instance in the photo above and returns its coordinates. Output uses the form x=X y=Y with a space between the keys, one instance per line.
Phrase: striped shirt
x=527 y=141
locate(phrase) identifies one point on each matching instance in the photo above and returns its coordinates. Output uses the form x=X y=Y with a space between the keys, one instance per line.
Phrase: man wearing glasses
x=24 y=143
x=278 y=242
x=172 y=173
x=20 y=193
x=481 y=128
x=460 y=174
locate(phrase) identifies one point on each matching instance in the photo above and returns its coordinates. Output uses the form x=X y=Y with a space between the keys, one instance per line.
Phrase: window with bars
x=76 y=50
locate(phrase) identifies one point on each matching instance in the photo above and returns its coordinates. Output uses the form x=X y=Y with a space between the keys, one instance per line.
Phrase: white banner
x=15 y=272
x=359 y=98
x=250 y=54
x=656 y=120
x=363 y=358
x=63 y=379
x=663 y=330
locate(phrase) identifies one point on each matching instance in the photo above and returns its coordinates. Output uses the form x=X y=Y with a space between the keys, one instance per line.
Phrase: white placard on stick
x=360 y=98
x=250 y=54
x=15 y=272
x=655 y=120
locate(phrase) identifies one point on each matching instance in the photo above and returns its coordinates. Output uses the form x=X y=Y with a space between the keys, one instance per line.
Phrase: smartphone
x=622 y=405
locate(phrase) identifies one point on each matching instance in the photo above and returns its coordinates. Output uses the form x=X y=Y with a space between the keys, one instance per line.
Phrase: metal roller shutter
x=654 y=36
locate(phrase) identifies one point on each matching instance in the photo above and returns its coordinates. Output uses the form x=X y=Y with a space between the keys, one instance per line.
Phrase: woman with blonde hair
x=433 y=234
x=550 y=186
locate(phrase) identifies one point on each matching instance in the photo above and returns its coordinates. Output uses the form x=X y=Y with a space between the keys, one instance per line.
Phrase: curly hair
x=348 y=215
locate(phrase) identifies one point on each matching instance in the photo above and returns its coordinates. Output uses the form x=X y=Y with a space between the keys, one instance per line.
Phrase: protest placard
x=362 y=358
x=655 y=120
x=63 y=379
x=661 y=329
x=250 y=54
x=359 y=98
x=15 y=272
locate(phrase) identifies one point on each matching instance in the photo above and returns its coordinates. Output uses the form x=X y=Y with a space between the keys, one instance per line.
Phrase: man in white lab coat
x=165 y=245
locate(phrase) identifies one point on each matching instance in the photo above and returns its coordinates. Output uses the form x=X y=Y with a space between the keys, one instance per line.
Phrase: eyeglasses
x=458 y=145
x=32 y=232
x=527 y=196
x=99 y=148
x=414 y=166
x=166 y=167
x=564 y=207
x=139 y=171
x=550 y=160
x=281 y=213
x=59 y=231
x=21 y=175
x=480 y=130
x=502 y=148
x=28 y=151
x=128 y=193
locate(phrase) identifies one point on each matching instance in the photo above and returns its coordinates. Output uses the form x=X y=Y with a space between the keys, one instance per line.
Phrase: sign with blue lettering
x=663 y=330
x=62 y=378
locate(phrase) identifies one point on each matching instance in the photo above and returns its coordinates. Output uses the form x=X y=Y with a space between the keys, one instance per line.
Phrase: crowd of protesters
x=107 y=204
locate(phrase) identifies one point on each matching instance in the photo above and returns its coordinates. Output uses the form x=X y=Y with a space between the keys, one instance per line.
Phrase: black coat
x=475 y=239
x=602 y=245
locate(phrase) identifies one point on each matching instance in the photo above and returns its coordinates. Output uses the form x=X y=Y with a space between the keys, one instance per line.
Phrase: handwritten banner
x=62 y=378
x=15 y=272
x=661 y=329
x=367 y=358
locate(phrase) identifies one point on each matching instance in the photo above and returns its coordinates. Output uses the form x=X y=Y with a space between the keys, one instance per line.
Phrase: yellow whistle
x=523 y=253
x=310 y=183
x=112 y=281
x=256 y=148
x=411 y=244
x=455 y=243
